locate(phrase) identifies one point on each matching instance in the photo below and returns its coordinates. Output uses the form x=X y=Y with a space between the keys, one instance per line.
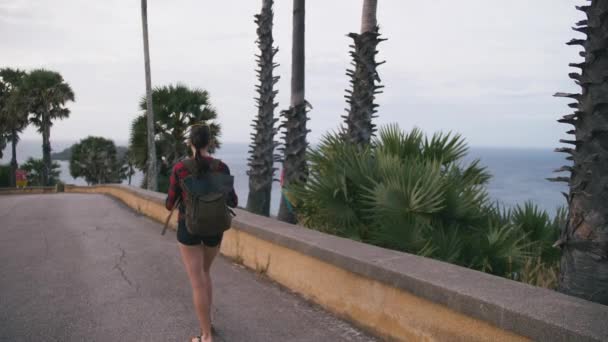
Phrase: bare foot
x=202 y=338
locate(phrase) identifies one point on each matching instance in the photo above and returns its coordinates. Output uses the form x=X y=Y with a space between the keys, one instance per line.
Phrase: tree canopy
x=176 y=107
x=95 y=159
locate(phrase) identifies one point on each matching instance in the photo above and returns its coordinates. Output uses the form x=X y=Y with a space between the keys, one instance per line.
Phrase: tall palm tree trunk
x=364 y=79
x=46 y=148
x=14 y=164
x=261 y=162
x=295 y=144
x=152 y=182
x=584 y=239
x=369 y=23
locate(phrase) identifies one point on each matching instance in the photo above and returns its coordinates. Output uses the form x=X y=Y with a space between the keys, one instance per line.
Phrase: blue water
x=518 y=174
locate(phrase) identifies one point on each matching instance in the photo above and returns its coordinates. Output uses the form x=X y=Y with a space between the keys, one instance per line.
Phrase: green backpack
x=206 y=211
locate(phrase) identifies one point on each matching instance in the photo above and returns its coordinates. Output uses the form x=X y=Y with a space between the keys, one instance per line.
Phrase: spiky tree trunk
x=152 y=182
x=364 y=79
x=261 y=162
x=584 y=239
x=295 y=144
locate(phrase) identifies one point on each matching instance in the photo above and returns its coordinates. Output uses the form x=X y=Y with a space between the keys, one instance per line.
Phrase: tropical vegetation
x=176 y=107
x=364 y=78
x=95 y=159
x=66 y=154
x=13 y=112
x=152 y=170
x=37 y=174
x=295 y=132
x=5 y=171
x=38 y=97
x=416 y=194
x=261 y=161
x=584 y=239
x=129 y=165
x=46 y=94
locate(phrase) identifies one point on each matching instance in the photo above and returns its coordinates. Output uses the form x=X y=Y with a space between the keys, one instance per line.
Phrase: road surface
x=78 y=267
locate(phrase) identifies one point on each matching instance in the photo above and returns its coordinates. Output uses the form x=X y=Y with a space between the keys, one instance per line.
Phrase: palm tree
x=46 y=93
x=584 y=238
x=152 y=174
x=176 y=107
x=3 y=139
x=364 y=79
x=14 y=112
x=4 y=126
x=295 y=144
x=261 y=162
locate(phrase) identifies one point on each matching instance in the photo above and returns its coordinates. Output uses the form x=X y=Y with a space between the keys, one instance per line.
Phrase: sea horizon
x=518 y=173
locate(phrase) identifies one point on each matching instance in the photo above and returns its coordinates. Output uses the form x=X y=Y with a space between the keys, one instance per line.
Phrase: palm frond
x=405 y=186
x=392 y=140
x=444 y=147
x=539 y=229
x=447 y=242
x=497 y=249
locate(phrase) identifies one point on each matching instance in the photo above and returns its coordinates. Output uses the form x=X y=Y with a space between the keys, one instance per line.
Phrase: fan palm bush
x=35 y=169
x=416 y=194
x=176 y=107
x=541 y=268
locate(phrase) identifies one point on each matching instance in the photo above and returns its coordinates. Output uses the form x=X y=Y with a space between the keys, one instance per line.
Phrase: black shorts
x=184 y=237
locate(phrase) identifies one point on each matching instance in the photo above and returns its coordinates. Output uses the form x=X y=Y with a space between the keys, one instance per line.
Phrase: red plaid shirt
x=175 y=191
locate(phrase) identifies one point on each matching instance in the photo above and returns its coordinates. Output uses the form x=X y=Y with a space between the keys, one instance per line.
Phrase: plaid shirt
x=175 y=191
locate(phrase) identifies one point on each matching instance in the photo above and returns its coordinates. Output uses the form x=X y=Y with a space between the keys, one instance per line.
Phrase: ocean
x=518 y=175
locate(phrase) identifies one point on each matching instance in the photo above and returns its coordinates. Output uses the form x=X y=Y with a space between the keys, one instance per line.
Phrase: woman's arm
x=175 y=191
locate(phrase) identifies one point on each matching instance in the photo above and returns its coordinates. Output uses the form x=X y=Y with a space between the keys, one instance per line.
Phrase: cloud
x=460 y=66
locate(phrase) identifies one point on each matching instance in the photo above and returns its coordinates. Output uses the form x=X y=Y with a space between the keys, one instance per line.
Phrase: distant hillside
x=63 y=155
x=67 y=153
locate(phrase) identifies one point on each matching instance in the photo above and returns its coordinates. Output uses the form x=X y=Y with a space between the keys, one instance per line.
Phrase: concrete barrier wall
x=28 y=190
x=395 y=295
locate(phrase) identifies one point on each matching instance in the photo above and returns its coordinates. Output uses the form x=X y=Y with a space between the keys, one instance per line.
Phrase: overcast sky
x=482 y=68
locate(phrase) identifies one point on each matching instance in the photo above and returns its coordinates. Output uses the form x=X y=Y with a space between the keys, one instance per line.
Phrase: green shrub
x=5 y=172
x=414 y=194
x=95 y=160
x=541 y=232
x=34 y=169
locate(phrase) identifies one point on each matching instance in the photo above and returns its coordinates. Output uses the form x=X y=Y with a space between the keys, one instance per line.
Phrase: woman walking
x=198 y=252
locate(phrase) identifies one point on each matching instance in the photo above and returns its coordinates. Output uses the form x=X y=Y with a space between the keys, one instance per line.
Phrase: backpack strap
x=177 y=203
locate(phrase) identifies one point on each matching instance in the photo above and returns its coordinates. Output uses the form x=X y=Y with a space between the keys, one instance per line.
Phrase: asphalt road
x=80 y=267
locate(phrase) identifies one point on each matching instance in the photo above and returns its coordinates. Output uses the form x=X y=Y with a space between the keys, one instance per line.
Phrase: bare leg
x=210 y=254
x=193 y=258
